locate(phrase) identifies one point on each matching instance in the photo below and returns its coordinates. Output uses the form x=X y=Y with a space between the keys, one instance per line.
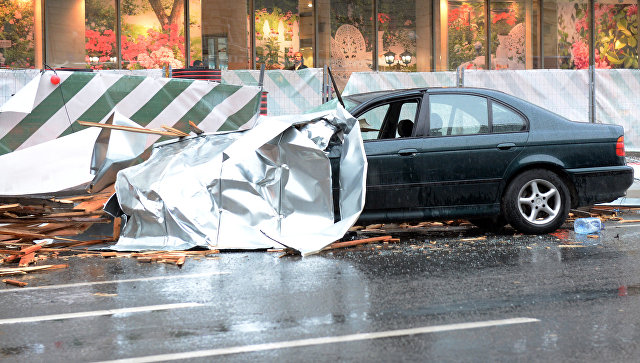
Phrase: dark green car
x=480 y=154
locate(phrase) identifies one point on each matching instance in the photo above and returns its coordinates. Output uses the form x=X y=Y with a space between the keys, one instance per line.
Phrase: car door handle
x=506 y=146
x=407 y=152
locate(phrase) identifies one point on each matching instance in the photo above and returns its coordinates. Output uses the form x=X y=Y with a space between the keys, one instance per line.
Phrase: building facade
x=348 y=35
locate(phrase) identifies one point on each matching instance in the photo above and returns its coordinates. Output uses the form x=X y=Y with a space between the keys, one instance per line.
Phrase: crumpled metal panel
x=114 y=150
x=269 y=186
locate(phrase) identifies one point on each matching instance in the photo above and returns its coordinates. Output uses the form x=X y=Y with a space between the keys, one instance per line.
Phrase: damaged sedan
x=480 y=154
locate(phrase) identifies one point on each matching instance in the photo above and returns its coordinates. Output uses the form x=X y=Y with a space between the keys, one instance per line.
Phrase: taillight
x=620 y=146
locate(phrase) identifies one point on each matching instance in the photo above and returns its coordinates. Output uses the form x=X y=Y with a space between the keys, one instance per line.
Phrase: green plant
x=16 y=26
x=466 y=25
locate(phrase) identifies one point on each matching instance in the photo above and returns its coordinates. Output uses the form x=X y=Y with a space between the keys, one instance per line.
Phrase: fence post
x=592 y=94
x=460 y=76
x=326 y=87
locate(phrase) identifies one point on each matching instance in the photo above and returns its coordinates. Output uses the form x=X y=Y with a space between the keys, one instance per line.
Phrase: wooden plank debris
x=15 y=282
x=128 y=128
x=175 y=131
x=358 y=242
x=195 y=128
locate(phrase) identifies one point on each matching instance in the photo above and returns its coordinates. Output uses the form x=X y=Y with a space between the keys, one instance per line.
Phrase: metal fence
x=565 y=92
x=614 y=93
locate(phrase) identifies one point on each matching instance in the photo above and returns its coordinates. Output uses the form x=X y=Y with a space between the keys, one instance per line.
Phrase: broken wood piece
x=195 y=128
x=357 y=242
x=25 y=251
x=481 y=238
x=26 y=259
x=109 y=254
x=9 y=206
x=15 y=282
x=181 y=261
x=175 y=131
x=127 y=128
x=24 y=270
x=629 y=221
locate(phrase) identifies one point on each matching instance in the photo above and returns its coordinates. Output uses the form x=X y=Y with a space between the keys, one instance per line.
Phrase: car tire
x=536 y=202
x=489 y=224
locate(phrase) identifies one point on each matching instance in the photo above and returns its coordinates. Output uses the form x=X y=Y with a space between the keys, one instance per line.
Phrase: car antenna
x=335 y=88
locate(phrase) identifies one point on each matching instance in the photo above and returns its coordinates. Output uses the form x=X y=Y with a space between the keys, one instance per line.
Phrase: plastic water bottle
x=587 y=225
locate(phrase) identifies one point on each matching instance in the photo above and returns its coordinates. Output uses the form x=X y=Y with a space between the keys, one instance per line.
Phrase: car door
x=469 y=142
x=390 y=148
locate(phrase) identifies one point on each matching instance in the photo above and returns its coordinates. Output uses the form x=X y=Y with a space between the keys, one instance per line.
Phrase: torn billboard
x=270 y=186
x=48 y=151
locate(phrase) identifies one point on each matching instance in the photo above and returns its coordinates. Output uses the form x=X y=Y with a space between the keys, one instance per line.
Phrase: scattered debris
x=15 y=282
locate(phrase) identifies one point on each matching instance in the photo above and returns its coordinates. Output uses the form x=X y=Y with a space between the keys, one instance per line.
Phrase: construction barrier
x=565 y=92
x=289 y=92
x=361 y=82
x=150 y=102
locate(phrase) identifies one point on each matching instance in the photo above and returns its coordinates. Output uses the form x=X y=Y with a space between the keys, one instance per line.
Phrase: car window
x=371 y=121
x=506 y=120
x=458 y=115
x=407 y=119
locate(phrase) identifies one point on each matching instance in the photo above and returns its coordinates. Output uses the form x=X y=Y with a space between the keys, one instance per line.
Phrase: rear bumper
x=600 y=185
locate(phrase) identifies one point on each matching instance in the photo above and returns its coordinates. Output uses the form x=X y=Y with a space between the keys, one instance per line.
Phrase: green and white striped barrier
x=150 y=102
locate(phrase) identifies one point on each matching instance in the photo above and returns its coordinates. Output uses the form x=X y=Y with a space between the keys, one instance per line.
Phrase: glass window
x=100 y=34
x=565 y=34
x=17 y=35
x=460 y=114
x=220 y=40
x=463 y=26
x=153 y=34
x=616 y=43
x=371 y=122
x=195 y=33
x=345 y=37
x=65 y=34
x=508 y=34
x=407 y=119
x=505 y=120
x=283 y=29
x=568 y=46
x=397 y=28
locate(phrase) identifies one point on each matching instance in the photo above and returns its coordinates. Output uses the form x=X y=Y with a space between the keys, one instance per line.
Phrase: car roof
x=359 y=98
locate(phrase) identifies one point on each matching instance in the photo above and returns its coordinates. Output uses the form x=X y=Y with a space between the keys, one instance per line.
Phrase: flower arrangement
x=466 y=24
x=616 y=34
x=268 y=47
x=155 y=50
x=503 y=21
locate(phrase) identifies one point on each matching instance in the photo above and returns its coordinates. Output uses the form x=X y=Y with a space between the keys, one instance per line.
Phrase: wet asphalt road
x=580 y=303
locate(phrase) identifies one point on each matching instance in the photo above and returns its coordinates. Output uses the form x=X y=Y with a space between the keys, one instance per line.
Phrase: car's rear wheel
x=536 y=201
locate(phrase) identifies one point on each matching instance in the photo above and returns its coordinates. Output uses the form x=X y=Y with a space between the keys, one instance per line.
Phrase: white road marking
x=325 y=340
x=64 y=286
x=86 y=314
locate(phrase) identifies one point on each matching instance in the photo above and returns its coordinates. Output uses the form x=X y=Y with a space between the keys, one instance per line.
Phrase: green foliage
x=16 y=25
x=466 y=33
